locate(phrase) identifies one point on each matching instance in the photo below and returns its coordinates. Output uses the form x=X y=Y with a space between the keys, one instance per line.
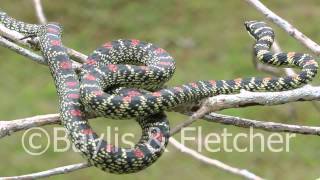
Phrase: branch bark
x=213 y=162
x=246 y=98
x=51 y=172
x=39 y=11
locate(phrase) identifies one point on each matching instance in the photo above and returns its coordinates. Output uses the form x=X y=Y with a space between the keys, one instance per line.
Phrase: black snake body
x=139 y=65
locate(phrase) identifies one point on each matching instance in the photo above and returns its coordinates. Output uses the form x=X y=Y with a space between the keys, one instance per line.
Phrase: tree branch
x=246 y=98
x=240 y=172
x=39 y=11
x=22 y=51
x=17 y=38
x=29 y=54
x=9 y=127
x=51 y=172
x=263 y=125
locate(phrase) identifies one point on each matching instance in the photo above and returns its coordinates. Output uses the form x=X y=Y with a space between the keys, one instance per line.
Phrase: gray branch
x=263 y=125
x=246 y=98
x=39 y=11
x=51 y=172
x=213 y=162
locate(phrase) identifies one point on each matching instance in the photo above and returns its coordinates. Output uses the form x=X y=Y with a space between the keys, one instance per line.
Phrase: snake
x=125 y=79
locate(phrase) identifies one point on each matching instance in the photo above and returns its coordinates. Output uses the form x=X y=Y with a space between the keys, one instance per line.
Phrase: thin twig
x=39 y=11
x=263 y=125
x=9 y=127
x=240 y=172
x=43 y=20
x=22 y=51
x=246 y=98
x=48 y=173
x=29 y=54
x=285 y=25
x=19 y=39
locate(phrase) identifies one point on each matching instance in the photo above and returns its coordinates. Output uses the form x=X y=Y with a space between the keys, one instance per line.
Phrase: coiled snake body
x=144 y=68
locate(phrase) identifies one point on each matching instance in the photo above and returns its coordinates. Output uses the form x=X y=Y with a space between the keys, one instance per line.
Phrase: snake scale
x=124 y=79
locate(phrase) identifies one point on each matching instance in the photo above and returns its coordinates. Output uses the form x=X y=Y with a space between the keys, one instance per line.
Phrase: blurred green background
x=208 y=40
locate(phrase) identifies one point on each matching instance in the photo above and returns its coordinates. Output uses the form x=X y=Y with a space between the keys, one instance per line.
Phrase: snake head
x=257 y=29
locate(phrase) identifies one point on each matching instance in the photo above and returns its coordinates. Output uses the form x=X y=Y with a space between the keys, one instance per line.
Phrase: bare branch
x=39 y=11
x=17 y=38
x=22 y=51
x=81 y=58
x=263 y=125
x=13 y=36
x=29 y=54
x=240 y=172
x=246 y=98
x=285 y=25
x=48 y=173
x=9 y=127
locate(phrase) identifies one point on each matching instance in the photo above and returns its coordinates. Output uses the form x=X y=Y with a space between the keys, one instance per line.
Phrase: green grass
x=220 y=49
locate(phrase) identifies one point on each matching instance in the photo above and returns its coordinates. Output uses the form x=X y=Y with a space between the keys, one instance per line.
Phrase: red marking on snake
x=158 y=136
x=213 y=82
x=65 y=65
x=135 y=42
x=138 y=153
x=73 y=96
x=238 y=81
x=127 y=99
x=71 y=84
x=194 y=85
x=112 y=67
x=97 y=93
x=133 y=93
x=266 y=79
x=146 y=68
x=165 y=63
x=55 y=43
x=290 y=54
x=90 y=77
x=157 y=94
x=87 y=131
x=53 y=30
x=91 y=61
x=160 y=50
x=109 y=147
x=310 y=62
x=108 y=45
x=179 y=89
x=75 y=112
